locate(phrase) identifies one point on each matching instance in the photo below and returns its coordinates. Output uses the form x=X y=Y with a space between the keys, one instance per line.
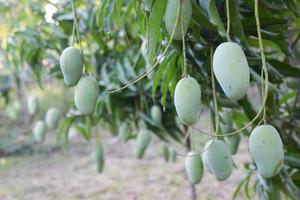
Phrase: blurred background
x=113 y=36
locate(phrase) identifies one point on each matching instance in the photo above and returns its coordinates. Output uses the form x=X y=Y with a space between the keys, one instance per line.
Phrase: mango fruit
x=123 y=132
x=187 y=99
x=52 y=117
x=142 y=142
x=99 y=157
x=39 y=131
x=266 y=148
x=166 y=153
x=185 y=16
x=173 y=155
x=32 y=105
x=217 y=159
x=156 y=114
x=226 y=115
x=231 y=69
x=71 y=65
x=147 y=5
x=194 y=167
x=232 y=141
x=86 y=95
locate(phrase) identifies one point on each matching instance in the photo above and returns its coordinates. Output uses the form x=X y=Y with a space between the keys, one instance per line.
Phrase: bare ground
x=70 y=174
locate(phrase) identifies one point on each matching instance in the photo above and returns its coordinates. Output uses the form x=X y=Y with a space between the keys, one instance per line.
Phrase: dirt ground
x=70 y=174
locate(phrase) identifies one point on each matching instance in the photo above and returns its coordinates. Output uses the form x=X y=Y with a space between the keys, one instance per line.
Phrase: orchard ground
x=52 y=172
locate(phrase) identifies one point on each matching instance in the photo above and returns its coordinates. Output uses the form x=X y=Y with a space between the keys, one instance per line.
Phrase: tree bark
x=193 y=193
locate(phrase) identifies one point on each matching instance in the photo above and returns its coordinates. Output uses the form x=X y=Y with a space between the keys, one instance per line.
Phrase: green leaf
x=285 y=68
x=211 y=9
x=160 y=71
x=235 y=22
x=166 y=81
x=155 y=22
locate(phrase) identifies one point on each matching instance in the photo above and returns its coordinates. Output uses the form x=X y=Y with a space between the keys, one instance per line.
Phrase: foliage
x=120 y=39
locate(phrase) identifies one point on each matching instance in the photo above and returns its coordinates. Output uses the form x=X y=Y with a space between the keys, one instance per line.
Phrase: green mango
x=99 y=157
x=147 y=5
x=32 y=105
x=52 y=117
x=173 y=155
x=231 y=69
x=194 y=167
x=185 y=16
x=86 y=94
x=156 y=114
x=187 y=99
x=226 y=116
x=217 y=159
x=71 y=65
x=142 y=142
x=124 y=133
x=166 y=153
x=39 y=131
x=266 y=148
x=232 y=141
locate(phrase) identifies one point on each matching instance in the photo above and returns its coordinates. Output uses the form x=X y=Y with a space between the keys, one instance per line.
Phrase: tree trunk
x=193 y=193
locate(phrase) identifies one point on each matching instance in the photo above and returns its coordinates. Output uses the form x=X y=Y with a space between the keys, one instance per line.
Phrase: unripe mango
x=156 y=114
x=231 y=69
x=232 y=141
x=166 y=153
x=266 y=148
x=142 y=142
x=86 y=94
x=32 y=105
x=187 y=99
x=124 y=131
x=226 y=116
x=71 y=65
x=39 y=131
x=217 y=159
x=52 y=117
x=99 y=157
x=147 y=5
x=173 y=155
x=185 y=15
x=194 y=167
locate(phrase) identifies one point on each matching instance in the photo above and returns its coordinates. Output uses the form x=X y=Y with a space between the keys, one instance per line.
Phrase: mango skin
x=187 y=99
x=86 y=94
x=231 y=69
x=194 y=167
x=156 y=114
x=232 y=141
x=142 y=142
x=123 y=132
x=217 y=159
x=166 y=153
x=226 y=116
x=39 y=131
x=32 y=105
x=52 y=117
x=173 y=155
x=147 y=5
x=266 y=148
x=99 y=157
x=185 y=16
x=71 y=65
